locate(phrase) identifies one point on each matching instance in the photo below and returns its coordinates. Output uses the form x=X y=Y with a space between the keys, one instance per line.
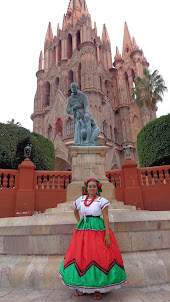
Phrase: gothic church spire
x=127 y=41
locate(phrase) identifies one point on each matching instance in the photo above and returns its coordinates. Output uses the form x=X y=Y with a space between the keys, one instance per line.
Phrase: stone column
x=133 y=193
x=25 y=195
x=88 y=162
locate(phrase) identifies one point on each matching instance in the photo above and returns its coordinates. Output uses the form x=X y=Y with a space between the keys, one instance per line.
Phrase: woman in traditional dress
x=93 y=263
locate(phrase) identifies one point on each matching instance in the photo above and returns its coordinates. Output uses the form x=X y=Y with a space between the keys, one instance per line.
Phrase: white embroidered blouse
x=95 y=209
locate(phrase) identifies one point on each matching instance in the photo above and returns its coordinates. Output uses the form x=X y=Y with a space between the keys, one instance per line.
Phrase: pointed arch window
x=101 y=85
x=79 y=76
x=70 y=80
x=46 y=94
x=50 y=132
x=57 y=80
x=59 y=51
x=116 y=136
x=59 y=127
x=111 y=133
x=109 y=92
x=54 y=55
x=127 y=88
x=100 y=54
x=78 y=40
x=105 y=127
x=69 y=46
x=70 y=127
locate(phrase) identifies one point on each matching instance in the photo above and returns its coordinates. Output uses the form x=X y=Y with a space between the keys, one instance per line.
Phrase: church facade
x=78 y=54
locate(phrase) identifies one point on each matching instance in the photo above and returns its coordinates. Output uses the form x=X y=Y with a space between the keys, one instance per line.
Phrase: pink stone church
x=78 y=54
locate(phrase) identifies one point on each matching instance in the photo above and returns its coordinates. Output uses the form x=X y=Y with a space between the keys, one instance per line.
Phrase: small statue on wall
x=86 y=130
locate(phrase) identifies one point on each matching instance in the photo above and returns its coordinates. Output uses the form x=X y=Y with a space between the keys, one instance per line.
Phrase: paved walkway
x=148 y=294
x=154 y=293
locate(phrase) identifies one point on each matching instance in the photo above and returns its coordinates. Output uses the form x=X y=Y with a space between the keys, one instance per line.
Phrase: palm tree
x=149 y=89
x=12 y=122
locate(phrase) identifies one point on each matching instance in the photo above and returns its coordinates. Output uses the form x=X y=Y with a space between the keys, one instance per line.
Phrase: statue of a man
x=86 y=129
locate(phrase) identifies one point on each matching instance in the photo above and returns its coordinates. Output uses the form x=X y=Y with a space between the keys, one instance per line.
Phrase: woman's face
x=92 y=188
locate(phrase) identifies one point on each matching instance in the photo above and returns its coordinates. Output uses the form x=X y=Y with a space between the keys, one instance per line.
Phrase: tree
x=153 y=143
x=13 y=140
x=12 y=122
x=149 y=89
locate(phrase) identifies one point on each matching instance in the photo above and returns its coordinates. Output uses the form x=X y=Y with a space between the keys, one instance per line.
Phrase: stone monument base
x=88 y=162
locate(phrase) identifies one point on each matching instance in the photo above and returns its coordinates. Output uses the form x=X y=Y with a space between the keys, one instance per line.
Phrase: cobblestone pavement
x=160 y=293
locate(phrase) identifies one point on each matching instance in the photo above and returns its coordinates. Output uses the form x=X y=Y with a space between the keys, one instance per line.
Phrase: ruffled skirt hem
x=91 y=290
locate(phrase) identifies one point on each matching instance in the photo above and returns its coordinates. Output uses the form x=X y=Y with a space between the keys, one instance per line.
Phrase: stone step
x=68 y=206
x=41 y=272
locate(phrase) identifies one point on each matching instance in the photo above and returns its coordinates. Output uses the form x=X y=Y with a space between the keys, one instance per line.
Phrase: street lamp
x=127 y=150
x=27 y=151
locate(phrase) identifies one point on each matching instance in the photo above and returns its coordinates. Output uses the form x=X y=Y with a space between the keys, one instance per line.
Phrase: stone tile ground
x=160 y=293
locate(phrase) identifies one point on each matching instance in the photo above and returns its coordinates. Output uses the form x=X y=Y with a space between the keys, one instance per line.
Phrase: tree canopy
x=13 y=140
x=149 y=89
x=153 y=143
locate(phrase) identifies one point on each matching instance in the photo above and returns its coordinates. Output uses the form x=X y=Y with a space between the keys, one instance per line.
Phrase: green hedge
x=14 y=138
x=153 y=143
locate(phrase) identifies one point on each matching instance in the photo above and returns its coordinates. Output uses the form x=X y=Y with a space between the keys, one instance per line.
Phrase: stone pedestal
x=88 y=162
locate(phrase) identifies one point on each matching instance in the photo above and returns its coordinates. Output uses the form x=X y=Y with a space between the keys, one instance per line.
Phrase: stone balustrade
x=26 y=191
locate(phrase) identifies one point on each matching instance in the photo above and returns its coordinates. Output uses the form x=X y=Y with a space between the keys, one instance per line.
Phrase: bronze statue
x=86 y=129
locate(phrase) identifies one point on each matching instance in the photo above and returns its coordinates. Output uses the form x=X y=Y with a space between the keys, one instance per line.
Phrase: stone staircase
x=68 y=206
x=32 y=248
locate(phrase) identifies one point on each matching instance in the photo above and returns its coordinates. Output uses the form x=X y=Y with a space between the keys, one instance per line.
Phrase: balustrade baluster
x=56 y=182
x=149 y=178
x=39 y=182
x=167 y=176
x=143 y=178
x=11 y=181
x=117 y=181
x=161 y=176
x=66 y=181
x=112 y=178
x=50 y=181
x=61 y=182
x=5 y=181
x=155 y=177
x=45 y=181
